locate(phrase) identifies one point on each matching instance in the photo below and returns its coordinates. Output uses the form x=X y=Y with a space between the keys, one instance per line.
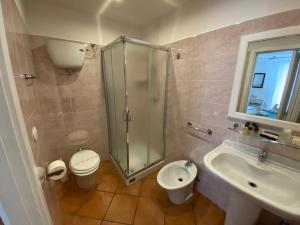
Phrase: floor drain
x=180 y=179
x=252 y=184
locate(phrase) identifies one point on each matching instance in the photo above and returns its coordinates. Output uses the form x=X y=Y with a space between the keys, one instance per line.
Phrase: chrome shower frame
x=130 y=177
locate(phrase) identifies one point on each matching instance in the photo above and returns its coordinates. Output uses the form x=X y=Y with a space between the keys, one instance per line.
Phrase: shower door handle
x=126 y=116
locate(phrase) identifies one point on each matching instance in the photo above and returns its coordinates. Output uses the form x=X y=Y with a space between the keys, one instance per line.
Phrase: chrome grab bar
x=207 y=131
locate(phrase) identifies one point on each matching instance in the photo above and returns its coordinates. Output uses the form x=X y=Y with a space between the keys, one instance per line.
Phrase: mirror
x=267 y=83
x=274 y=86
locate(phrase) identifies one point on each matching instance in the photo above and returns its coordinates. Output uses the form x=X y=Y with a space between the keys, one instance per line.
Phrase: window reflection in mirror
x=269 y=79
x=271 y=83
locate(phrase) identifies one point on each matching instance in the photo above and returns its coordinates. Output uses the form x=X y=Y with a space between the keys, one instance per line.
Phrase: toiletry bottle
x=246 y=127
x=256 y=128
x=250 y=129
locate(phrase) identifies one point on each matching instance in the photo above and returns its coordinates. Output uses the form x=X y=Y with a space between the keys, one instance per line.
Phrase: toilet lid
x=87 y=170
x=84 y=160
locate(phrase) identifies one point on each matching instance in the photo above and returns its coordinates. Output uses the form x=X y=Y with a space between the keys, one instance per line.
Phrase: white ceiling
x=136 y=12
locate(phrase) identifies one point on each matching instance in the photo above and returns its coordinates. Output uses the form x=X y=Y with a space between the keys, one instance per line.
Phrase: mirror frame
x=239 y=73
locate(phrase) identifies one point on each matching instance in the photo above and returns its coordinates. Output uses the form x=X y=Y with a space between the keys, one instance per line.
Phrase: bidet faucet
x=262 y=155
x=81 y=147
x=188 y=163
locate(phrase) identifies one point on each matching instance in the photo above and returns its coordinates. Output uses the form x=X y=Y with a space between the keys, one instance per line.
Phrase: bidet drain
x=180 y=179
x=252 y=184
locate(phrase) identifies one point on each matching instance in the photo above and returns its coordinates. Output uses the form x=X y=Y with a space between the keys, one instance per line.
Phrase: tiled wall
x=30 y=101
x=55 y=102
x=71 y=103
x=199 y=90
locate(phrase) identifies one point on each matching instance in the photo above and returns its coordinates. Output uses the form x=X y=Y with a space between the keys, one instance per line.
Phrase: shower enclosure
x=135 y=74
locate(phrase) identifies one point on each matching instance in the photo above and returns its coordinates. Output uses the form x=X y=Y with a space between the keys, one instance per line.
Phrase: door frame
x=22 y=199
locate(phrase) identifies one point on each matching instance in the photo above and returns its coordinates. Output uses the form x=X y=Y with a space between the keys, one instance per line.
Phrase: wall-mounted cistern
x=262 y=155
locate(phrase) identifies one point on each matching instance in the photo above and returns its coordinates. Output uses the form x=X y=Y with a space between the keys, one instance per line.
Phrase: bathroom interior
x=162 y=112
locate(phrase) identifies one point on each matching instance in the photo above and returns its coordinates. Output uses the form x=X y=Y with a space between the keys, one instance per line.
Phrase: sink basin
x=273 y=184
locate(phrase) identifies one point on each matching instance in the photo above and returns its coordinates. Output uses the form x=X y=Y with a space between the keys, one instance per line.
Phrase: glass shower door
x=157 y=89
x=137 y=72
x=146 y=78
x=115 y=86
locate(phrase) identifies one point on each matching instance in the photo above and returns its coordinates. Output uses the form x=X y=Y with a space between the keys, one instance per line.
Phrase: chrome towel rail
x=207 y=131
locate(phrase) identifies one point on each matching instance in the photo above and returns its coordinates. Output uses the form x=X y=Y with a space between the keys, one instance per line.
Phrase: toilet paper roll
x=56 y=170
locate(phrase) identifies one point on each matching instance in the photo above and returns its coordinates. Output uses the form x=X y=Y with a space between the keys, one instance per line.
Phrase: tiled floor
x=111 y=202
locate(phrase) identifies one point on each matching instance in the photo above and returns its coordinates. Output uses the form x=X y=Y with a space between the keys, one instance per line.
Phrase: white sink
x=273 y=184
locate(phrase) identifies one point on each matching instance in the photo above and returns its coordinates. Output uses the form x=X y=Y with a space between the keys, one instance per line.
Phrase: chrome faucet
x=188 y=163
x=82 y=147
x=262 y=155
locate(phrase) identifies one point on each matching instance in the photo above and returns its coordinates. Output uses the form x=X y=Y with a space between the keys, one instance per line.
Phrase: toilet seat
x=84 y=162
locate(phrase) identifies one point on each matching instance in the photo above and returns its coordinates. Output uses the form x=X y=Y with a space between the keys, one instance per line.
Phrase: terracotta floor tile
x=108 y=182
x=85 y=221
x=208 y=213
x=122 y=209
x=111 y=168
x=96 y=205
x=149 y=213
x=152 y=208
x=70 y=184
x=151 y=189
x=102 y=166
x=153 y=174
x=180 y=214
x=60 y=190
x=71 y=201
x=107 y=167
x=67 y=219
x=111 y=223
x=212 y=216
x=132 y=189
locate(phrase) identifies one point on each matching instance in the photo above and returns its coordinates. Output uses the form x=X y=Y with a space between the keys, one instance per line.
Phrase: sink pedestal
x=241 y=210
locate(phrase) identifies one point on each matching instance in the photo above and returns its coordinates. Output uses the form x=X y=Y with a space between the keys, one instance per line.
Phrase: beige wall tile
x=71 y=102
x=199 y=90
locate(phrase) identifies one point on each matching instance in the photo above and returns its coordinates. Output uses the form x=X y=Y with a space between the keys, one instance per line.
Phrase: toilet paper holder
x=55 y=173
x=44 y=174
x=55 y=170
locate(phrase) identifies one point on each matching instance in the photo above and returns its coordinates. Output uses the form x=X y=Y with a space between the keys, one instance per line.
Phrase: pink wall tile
x=28 y=92
x=71 y=102
x=199 y=90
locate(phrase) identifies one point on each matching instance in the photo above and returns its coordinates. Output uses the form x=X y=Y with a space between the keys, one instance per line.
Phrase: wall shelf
x=264 y=139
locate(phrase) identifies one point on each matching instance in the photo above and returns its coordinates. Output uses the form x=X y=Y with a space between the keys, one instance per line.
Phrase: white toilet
x=178 y=178
x=84 y=164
